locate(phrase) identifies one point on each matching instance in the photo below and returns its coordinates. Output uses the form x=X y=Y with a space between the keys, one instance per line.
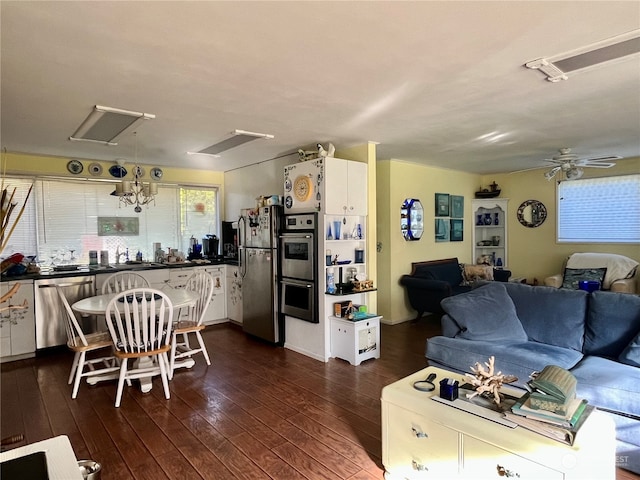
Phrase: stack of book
x=551 y=407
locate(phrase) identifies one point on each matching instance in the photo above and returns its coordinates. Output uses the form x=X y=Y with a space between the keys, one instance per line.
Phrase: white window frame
x=599 y=210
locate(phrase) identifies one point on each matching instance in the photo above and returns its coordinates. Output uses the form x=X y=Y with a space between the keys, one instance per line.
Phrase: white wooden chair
x=140 y=321
x=81 y=344
x=121 y=281
x=202 y=284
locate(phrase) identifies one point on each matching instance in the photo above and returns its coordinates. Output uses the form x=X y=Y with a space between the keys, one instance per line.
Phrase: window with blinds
x=602 y=210
x=22 y=240
x=61 y=221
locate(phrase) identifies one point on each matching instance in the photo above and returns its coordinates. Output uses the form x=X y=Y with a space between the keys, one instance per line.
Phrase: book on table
x=575 y=409
x=562 y=434
x=553 y=390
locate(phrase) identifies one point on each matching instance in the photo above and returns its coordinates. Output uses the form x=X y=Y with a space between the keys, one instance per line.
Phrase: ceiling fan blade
x=528 y=169
x=597 y=165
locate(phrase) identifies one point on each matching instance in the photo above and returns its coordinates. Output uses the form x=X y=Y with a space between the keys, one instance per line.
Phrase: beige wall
x=397 y=181
x=534 y=252
x=39 y=165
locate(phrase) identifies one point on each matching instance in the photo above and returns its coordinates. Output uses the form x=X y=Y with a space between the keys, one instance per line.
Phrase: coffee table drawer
x=483 y=460
x=420 y=448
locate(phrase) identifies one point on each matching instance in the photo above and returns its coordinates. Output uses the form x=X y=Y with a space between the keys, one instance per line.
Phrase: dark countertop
x=86 y=270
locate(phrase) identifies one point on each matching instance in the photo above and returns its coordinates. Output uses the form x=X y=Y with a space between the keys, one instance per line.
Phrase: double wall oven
x=298 y=244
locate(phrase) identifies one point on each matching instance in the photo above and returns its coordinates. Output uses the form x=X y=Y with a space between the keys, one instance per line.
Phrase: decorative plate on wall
x=95 y=169
x=117 y=171
x=75 y=167
x=156 y=173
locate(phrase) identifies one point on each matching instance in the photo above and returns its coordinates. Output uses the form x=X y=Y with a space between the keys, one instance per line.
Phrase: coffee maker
x=210 y=244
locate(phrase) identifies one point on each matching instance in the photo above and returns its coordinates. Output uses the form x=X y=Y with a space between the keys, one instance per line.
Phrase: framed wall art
x=457 y=228
x=442 y=230
x=442 y=204
x=456 y=206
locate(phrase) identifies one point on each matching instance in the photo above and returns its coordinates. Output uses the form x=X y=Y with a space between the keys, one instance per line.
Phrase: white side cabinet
x=424 y=439
x=18 y=325
x=234 y=294
x=345 y=187
x=490 y=231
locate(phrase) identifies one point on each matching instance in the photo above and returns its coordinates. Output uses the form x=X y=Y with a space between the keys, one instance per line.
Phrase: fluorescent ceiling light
x=105 y=124
x=556 y=67
x=239 y=137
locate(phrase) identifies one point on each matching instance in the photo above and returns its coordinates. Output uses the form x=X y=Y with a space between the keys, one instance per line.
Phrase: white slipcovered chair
x=619 y=277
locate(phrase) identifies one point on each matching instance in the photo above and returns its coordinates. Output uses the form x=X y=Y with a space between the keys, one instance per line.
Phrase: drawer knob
x=418 y=434
x=503 y=472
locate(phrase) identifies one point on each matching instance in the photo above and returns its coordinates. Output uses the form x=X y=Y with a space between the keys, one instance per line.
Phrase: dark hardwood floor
x=258 y=412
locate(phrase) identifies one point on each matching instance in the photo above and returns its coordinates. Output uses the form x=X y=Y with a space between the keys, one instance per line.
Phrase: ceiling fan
x=571 y=164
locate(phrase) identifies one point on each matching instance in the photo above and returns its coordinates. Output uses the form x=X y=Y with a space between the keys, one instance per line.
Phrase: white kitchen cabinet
x=216 y=312
x=345 y=187
x=422 y=438
x=490 y=231
x=17 y=325
x=234 y=294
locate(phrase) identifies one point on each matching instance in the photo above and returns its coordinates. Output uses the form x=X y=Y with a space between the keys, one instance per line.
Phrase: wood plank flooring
x=258 y=412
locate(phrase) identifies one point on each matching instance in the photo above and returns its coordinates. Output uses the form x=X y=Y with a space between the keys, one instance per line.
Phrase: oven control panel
x=303 y=221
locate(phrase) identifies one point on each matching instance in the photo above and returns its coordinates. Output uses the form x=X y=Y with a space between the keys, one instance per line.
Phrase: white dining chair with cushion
x=82 y=344
x=121 y=281
x=140 y=321
x=202 y=284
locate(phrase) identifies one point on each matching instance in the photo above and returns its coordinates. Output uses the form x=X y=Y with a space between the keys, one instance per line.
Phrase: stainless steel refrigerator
x=258 y=230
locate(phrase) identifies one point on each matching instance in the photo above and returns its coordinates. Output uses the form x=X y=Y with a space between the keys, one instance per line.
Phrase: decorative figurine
x=488 y=383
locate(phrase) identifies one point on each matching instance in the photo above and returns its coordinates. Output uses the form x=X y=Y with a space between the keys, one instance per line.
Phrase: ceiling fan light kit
x=571 y=164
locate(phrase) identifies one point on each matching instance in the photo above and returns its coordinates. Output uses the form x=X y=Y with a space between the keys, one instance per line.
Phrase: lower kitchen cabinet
x=17 y=325
x=216 y=312
x=234 y=294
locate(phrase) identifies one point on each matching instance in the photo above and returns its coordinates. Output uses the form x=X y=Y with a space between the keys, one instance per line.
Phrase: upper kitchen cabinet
x=345 y=187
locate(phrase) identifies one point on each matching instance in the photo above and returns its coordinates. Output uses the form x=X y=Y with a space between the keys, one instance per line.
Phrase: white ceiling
x=427 y=80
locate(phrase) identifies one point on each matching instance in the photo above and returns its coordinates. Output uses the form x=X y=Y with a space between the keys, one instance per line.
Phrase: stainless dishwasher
x=50 y=313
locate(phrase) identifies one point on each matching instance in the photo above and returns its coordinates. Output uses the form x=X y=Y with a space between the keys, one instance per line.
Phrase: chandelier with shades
x=135 y=192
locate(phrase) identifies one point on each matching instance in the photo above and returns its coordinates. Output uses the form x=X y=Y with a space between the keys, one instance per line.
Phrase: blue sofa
x=594 y=335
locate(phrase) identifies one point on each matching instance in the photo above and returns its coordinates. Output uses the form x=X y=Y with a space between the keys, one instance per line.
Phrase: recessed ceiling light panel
x=239 y=137
x=105 y=124
x=557 y=66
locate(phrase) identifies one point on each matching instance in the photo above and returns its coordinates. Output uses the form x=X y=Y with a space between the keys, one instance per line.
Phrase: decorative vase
x=496 y=220
x=487 y=219
x=480 y=221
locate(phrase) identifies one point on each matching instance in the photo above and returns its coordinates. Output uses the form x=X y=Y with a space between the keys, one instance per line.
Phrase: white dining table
x=97 y=305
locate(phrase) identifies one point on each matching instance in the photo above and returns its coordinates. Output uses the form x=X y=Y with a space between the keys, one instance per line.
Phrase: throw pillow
x=473 y=273
x=631 y=354
x=573 y=276
x=486 y=313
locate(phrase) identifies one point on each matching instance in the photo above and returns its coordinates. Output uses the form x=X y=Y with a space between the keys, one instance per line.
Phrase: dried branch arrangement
x=487 y=382
x=7 y=225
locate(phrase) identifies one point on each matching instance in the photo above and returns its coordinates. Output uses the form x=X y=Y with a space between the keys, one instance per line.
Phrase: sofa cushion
x=612 y=322
x=486 y=314
x=551 y=315
x=618 y=266
x=608 y=384
x=519 y=359
x=631 y=354
x=573 y=276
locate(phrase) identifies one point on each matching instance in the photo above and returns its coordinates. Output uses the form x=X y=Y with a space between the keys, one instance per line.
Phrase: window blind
x=602 y=210
x=23 y=239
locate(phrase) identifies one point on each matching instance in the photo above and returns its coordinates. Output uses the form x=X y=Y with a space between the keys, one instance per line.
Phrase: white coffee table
x=61 y=461
x=422 y=438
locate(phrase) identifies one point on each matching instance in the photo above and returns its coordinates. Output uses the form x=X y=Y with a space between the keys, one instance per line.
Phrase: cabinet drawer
x=483 y=460
x=419 y=448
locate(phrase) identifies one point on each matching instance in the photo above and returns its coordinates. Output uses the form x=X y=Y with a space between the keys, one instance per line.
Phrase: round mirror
x=532 y=213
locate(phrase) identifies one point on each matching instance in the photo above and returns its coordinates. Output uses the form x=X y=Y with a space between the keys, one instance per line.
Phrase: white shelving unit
x=489 y=230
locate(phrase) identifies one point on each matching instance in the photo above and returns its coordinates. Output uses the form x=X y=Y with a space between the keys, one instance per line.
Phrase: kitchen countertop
x=86 y=270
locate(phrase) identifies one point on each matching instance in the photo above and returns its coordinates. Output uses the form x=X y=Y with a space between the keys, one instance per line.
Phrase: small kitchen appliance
x=210 y=244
